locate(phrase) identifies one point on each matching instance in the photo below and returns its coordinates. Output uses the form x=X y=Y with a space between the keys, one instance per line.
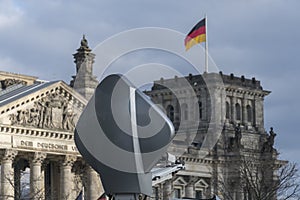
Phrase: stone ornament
x=84 y=42
x=9 y=82
x=8 y=154
x=52 y=111
x=38 y=157
x=68 y=160
x=235 y=142
x=268 y=145
x=238 y=136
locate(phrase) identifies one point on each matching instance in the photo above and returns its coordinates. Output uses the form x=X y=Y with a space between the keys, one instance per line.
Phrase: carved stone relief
x=52 y=111
x=8 y=82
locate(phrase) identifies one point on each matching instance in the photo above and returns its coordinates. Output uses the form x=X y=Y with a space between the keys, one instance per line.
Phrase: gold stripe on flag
x=196 y=40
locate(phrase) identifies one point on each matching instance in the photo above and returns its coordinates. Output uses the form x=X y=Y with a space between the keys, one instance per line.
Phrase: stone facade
x=37 y=121
x=228 y=104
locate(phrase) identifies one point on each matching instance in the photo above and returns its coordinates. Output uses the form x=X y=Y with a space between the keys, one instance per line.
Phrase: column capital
x=8 y=154
x=37 y=157
x=68 y=160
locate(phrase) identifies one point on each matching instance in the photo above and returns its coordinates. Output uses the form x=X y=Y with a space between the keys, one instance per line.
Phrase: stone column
x=36 y=177
x=66 y=177
x=167 y=190
x=223 y=106
x=94 y=187
x=259 y=113
x=214 y=104
x=244 y=112
x=7 y=174
x=233 y=111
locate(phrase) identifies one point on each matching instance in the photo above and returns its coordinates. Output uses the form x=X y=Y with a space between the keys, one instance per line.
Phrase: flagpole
x=206 y=45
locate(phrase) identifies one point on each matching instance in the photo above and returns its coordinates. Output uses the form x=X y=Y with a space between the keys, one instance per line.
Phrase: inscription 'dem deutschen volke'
x=48 y=145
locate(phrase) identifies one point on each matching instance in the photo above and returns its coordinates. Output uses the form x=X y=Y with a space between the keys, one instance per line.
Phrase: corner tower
x=84 y=82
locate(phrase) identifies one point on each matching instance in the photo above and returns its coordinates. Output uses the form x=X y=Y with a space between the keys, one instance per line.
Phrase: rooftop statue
x=84 y=42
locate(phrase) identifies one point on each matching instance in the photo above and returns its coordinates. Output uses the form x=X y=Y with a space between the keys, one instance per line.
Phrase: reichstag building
x=38 y=118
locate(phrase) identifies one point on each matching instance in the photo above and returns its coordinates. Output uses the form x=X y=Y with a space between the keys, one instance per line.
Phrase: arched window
x=249 y=113
x=170 y=112
x=184 y=110
x=238 y=111
x=200 y=110
x=227 y=110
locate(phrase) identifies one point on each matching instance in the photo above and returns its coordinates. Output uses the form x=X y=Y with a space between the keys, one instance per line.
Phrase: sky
x=257 y=38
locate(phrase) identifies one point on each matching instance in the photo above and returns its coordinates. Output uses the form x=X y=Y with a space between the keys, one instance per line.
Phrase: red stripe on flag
x=194 y=34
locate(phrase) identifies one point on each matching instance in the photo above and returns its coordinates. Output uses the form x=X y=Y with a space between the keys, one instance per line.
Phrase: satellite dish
x=122 y=134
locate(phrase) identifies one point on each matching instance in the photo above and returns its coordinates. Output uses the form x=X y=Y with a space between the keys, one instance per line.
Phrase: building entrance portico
x=36 y=133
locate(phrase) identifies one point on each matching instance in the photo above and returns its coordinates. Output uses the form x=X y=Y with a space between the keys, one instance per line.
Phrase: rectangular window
x=198 y=194
x=177 y=193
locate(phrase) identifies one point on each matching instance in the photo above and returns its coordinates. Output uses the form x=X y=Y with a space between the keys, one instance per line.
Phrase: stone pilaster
x=189 y=191
x=94 y=187
x=233 y=111
x=244 y=112
x=66 y=177
x=7 y=174
x=36 y=176
x=167 y=190
x=189 y=188
x=259 y=113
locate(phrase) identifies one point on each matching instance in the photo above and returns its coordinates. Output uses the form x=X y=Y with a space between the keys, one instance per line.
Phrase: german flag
x=196 y=35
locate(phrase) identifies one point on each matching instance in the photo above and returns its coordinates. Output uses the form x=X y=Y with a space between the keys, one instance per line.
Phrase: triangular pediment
x=51 y=106
x=180 y=181
x=201 y=184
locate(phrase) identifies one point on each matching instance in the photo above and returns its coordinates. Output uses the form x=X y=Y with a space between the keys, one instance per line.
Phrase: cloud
x=10 y=14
